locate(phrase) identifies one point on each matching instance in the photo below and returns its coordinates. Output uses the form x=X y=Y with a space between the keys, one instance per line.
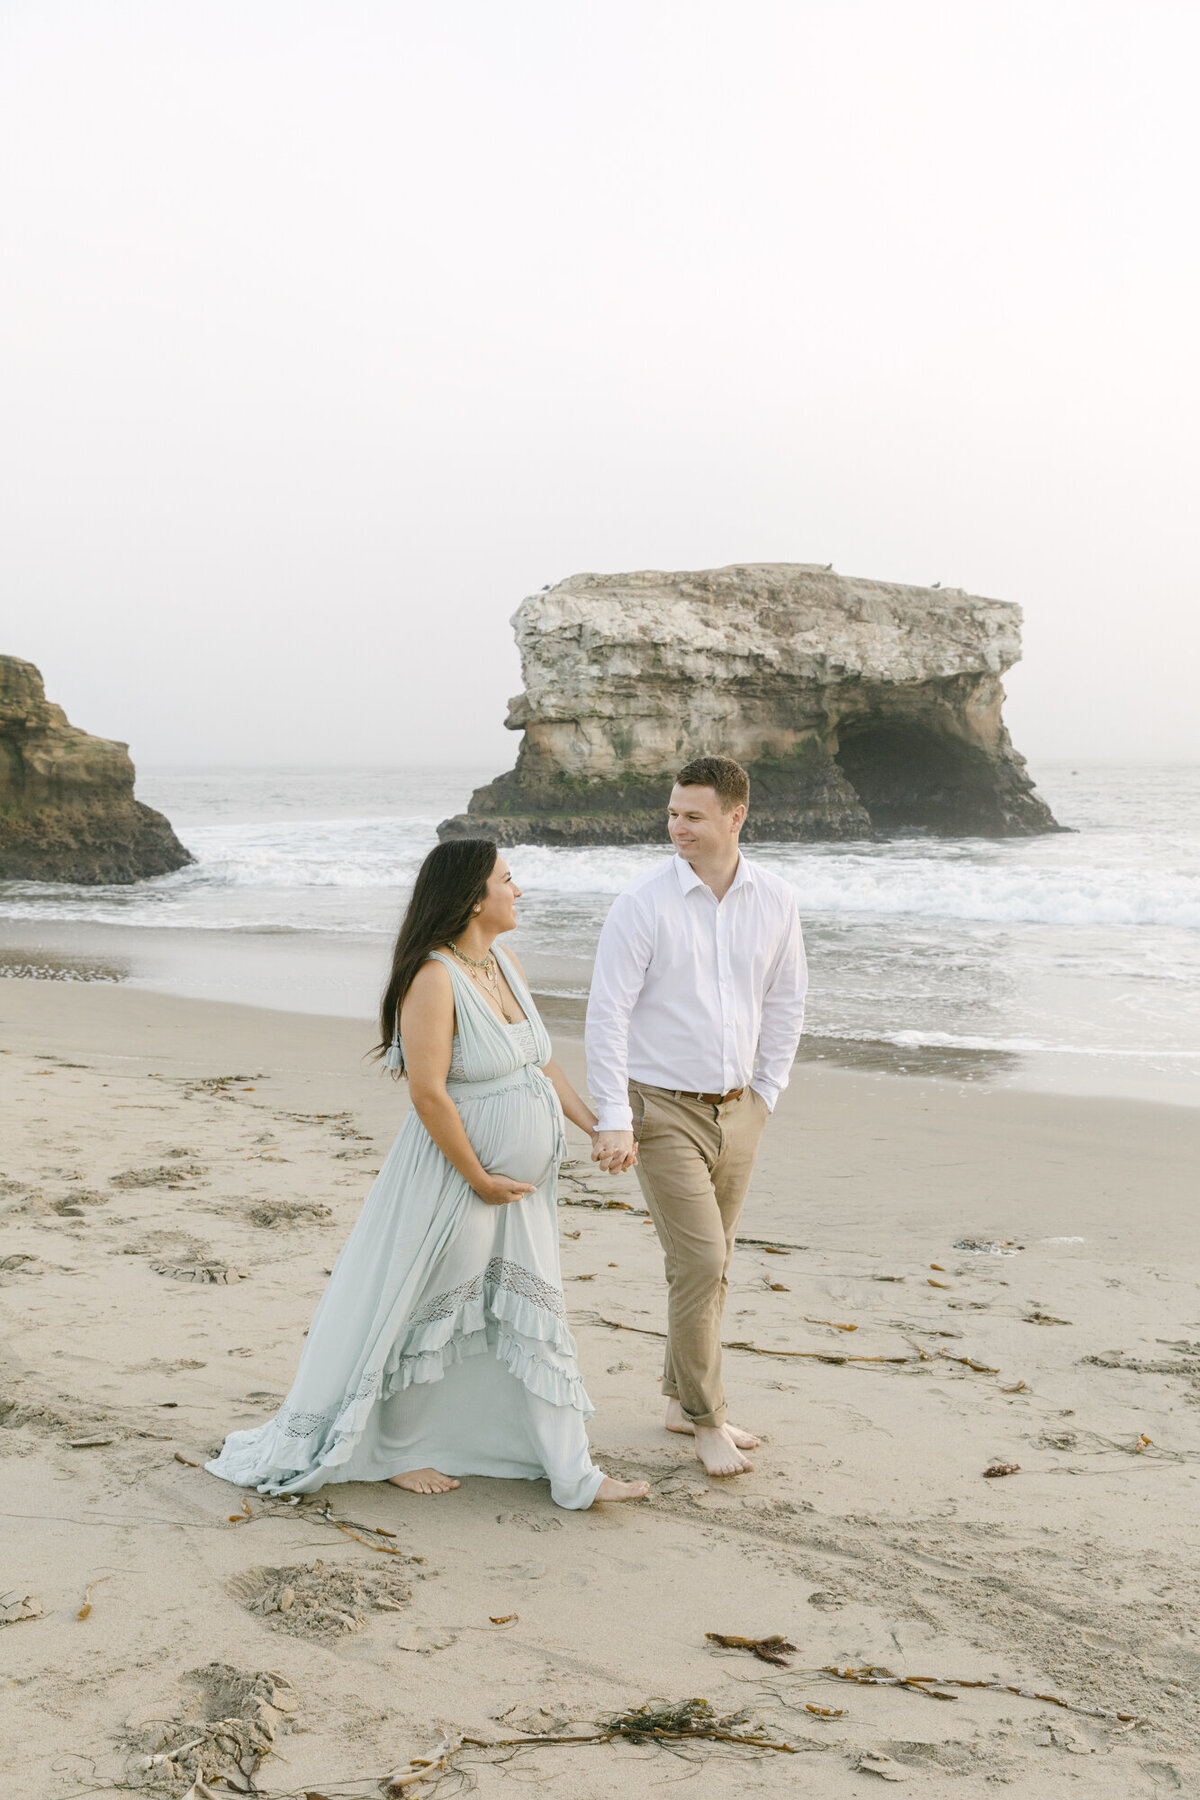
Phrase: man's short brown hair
x=727 y=778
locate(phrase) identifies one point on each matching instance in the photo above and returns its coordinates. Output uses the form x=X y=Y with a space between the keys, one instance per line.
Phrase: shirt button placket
x=726 y=1020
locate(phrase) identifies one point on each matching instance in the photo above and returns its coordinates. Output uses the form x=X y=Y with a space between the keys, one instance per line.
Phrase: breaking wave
x=271 y=876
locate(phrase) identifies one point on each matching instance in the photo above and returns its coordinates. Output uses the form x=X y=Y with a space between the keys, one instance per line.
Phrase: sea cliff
x=859 y=707
x=67 y=811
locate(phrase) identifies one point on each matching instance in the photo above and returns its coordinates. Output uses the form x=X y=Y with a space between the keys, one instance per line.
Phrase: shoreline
x=1012 y=1142
x=988 y=1248
x=338 y=977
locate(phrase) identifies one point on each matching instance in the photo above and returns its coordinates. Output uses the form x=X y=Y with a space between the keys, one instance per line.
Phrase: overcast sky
x=331 y=329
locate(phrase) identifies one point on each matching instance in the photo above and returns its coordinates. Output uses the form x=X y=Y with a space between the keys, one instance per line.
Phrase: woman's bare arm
x=427 y=1028
x=574 y=1106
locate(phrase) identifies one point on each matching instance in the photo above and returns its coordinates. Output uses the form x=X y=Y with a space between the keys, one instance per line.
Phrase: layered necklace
x=486 y=976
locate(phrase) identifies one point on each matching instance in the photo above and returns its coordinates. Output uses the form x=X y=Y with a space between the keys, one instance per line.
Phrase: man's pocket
x=642 y=1113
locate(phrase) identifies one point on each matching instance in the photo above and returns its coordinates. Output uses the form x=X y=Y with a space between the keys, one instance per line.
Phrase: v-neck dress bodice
x=442 y=1337
x=523 y=1040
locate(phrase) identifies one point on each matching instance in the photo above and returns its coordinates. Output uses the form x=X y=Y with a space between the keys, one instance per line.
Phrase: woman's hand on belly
x=501 y=1190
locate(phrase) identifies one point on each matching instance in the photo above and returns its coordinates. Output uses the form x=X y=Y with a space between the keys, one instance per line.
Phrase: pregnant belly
x=514 y=1134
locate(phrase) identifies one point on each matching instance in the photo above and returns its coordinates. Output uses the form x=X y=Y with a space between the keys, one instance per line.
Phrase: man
x=696 y=1008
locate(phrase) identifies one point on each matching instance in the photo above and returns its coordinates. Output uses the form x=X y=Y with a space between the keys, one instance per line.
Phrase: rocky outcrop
x=67 y=811
x=858 y=707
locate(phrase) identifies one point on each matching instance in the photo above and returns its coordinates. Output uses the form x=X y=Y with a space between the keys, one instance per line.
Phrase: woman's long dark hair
x=452 y=879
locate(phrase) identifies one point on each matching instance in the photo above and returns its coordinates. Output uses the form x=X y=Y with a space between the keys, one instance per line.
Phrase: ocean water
x=1066 y=961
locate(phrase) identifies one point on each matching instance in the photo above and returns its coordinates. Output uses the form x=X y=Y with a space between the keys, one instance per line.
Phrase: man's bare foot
x=621 y=1490
x=424 y=1481
x=719 y=1454
x=677 y=1420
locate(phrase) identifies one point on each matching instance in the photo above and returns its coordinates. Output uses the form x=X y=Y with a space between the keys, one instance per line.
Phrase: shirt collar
x=688 y=878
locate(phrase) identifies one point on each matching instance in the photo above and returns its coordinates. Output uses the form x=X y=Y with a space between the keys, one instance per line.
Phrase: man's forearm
x=782 y=1018
x=606 y=1044
x=777 y=1046
x=622 y=957
x=609 y=1088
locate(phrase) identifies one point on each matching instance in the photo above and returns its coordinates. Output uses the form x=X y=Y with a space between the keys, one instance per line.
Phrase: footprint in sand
x=160 y=1176
x=318 y=1600
x=228 y=1719
x=217 y=1274
x=72 y=1206
x=424 y=1639
x=271 y=1213
x=531 y=1521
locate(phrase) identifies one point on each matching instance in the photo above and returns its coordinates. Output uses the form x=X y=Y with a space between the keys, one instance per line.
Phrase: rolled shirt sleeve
x=782 y=1014
x=622 y=958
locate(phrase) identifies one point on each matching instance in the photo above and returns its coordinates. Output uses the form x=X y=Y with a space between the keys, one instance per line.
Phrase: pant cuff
x=715 y=1419
x=670 y=1391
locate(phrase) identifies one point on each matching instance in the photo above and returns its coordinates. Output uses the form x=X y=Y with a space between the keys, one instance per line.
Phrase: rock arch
x=910 y=777
x=858 y=707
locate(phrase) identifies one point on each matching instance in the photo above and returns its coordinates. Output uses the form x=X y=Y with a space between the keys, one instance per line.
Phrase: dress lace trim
x=499 y=1273
x=303 y=1424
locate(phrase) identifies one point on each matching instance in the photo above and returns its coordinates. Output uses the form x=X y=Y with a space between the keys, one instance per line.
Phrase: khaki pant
x=694 y=1166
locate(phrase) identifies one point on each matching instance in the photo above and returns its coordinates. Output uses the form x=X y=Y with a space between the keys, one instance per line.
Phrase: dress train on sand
x=441 y=1339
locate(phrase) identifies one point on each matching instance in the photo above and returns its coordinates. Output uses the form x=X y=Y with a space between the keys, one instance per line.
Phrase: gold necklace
x=487 y=971
x=489 y=960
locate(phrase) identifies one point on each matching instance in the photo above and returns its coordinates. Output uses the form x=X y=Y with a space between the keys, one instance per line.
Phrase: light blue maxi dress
x=441 y=1340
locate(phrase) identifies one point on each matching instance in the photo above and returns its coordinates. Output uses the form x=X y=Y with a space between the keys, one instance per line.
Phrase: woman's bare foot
x=424 y=1481
x=718 y=1452
x=677 y=1420
x=621 y=1490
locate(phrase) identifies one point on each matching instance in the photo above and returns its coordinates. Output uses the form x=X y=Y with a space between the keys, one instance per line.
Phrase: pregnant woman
x=440 y=1347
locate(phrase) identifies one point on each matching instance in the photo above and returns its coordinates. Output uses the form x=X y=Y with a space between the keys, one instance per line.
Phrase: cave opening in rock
x=910 y=779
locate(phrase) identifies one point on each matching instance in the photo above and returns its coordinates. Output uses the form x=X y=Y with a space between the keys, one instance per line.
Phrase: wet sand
x=176 y=1177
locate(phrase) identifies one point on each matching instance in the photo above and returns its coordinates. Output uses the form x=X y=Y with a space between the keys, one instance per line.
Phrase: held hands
x=500 y=1190
x=615 y=1151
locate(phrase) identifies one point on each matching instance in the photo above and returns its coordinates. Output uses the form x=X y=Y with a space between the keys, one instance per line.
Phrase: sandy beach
x=176 y=1179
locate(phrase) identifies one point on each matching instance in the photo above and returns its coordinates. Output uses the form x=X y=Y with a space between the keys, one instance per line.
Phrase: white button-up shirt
x=695 y=993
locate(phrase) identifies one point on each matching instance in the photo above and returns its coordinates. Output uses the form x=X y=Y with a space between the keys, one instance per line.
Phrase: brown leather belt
x=708 y=1099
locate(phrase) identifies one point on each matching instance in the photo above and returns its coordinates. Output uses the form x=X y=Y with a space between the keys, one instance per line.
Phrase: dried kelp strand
x=768 y=1649
x=85 y=1610
x=658 y=1721
x=873 y=1675
x=824 y=1356
x=758 y=1349
x=383 y=1549
x=421 y=1769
